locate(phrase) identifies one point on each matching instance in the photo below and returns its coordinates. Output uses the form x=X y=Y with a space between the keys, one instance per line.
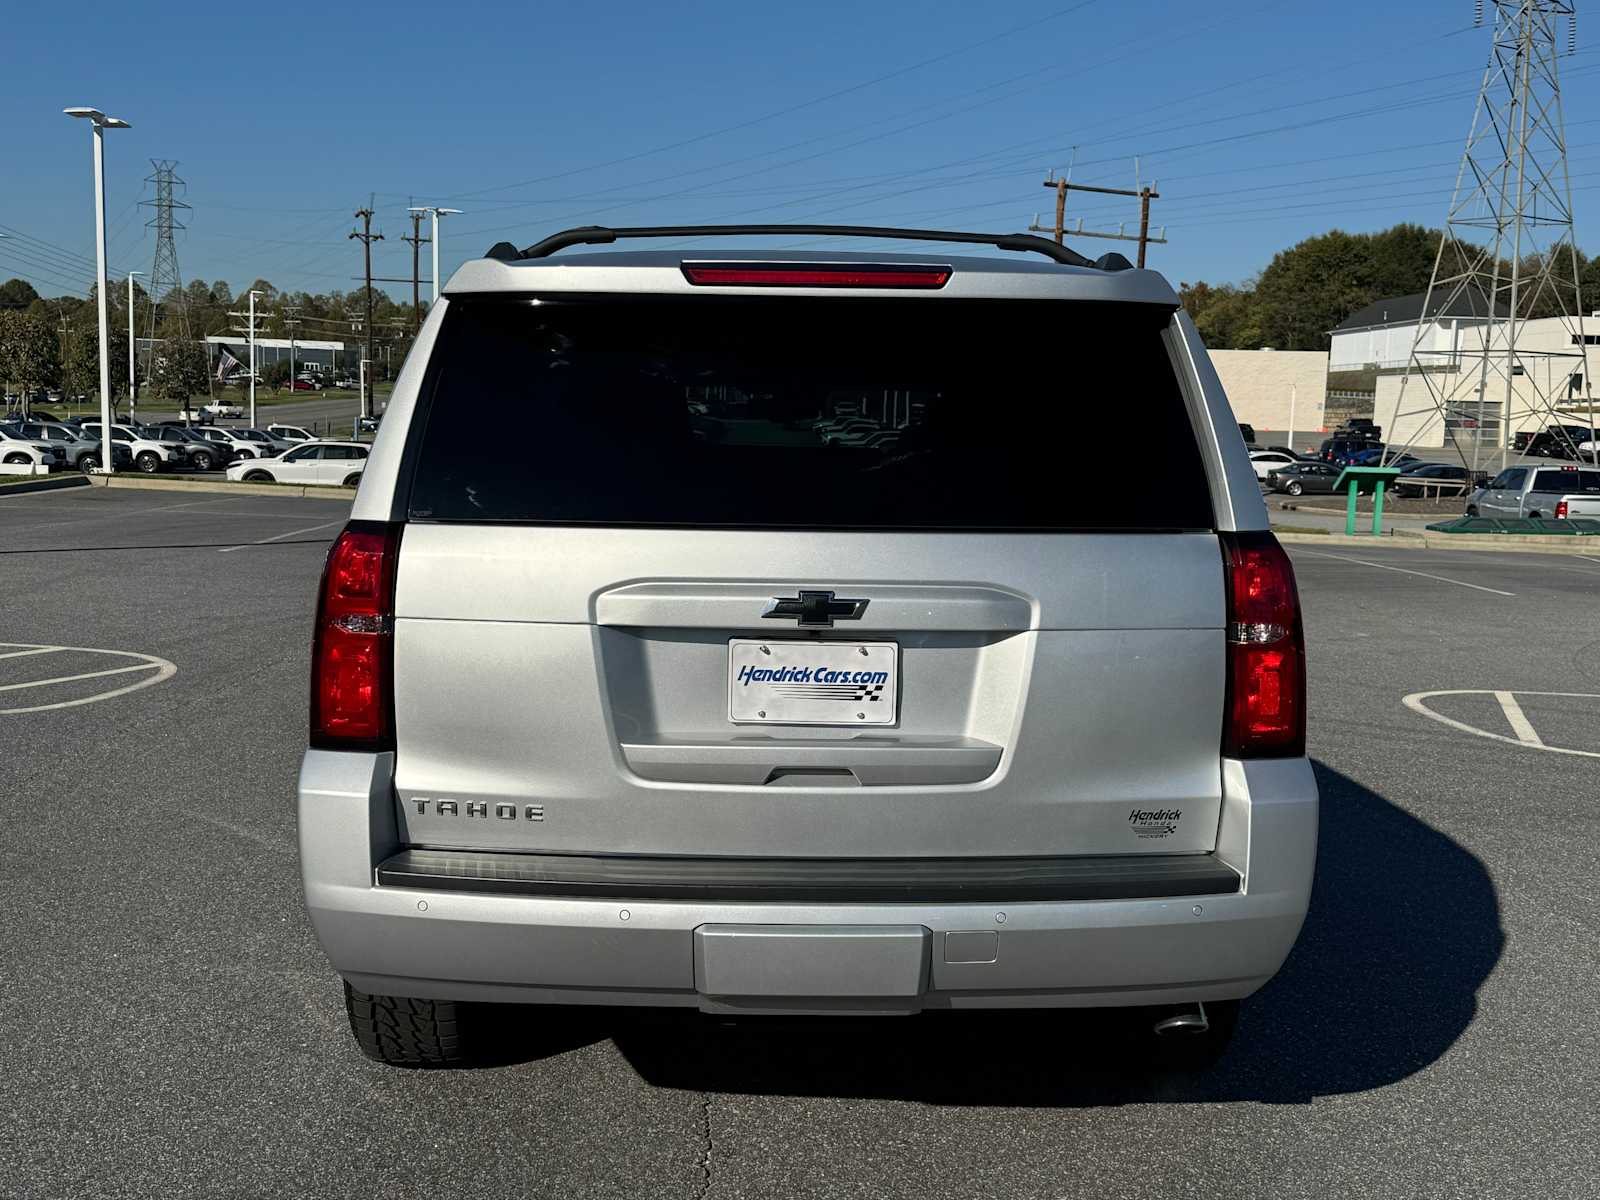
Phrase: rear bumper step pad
x=800 y=880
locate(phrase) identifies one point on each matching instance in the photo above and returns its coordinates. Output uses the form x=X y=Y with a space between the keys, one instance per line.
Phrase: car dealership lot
x=175 y=1030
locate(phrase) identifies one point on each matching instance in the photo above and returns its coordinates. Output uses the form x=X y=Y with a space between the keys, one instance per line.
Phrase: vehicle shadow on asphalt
x=1404 y=928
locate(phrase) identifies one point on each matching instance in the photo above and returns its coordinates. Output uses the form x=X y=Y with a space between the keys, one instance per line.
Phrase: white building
x=1382 y=334
x=310 y=357
x=1552 y=360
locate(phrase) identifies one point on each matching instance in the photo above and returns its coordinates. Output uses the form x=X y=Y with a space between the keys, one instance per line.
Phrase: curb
x=45 y=485
x=292 y=490
x=1505 y=543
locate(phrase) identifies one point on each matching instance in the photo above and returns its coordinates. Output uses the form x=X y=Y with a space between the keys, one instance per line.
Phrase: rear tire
x=404 y=1031
x=1295 y=488
x=352 y=480
x=1189 y=1052
x=148 y=462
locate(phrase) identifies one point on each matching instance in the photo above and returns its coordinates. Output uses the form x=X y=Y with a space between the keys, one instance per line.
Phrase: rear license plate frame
x=847 y=703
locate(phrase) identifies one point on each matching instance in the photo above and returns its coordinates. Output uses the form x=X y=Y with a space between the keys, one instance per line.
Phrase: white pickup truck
x=224 y=408
x=1561 y=492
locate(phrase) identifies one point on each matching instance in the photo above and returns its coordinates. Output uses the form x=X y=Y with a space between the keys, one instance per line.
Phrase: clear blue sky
x=532 y=117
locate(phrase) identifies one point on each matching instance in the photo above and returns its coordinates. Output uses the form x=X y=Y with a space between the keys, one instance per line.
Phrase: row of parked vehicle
x=277 y=454
x=1281 y=469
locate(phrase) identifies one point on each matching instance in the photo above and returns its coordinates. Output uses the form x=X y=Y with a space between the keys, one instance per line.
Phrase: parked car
x=369 y=424
x=601 y=747
x=336 y=464
x=290 y=433
x=241 y=443
x=1298 y=478
x=301 y=385
x=1341 y=451
x=191 y=415
x=275 y=444
x=1555 y=436
x=149 y=454
x=76 y=445
x=1533 y=491
x=174 y=437
x=1433 y=479
x=1362 y=427
x=224 y=409
x=203 y=453
x=17 y=449
x=1248 y=432
x=1268 y=460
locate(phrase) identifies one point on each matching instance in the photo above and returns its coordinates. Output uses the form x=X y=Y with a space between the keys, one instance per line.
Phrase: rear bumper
x=858 y=954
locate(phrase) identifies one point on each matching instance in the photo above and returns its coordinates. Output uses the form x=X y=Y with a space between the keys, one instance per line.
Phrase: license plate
x=779 y=682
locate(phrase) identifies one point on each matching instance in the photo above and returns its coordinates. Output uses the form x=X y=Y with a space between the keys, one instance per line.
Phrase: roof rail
x=599 y=235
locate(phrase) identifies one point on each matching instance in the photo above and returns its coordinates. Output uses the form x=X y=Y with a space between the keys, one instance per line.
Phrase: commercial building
x=1381 y=335
x=1276 y=391
x=310 y=357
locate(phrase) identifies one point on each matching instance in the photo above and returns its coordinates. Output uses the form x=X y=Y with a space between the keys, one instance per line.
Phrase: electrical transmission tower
x=166 y=281
x=1507 y=256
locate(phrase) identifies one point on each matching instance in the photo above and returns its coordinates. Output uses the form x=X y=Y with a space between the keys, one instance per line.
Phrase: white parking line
x=279 y=537
x=35 y=650
x=1477 y=587
x=147 y=662
x=1518 y=720
x=1417 y=703
x=1587 y=558
x=33 y=683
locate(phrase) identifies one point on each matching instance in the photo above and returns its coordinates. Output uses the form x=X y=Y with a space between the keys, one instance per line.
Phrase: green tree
x=30 y=354
x=178 y=370
x=17 y=293
x=80 y=370
x=1228 y=317
x=275 y=374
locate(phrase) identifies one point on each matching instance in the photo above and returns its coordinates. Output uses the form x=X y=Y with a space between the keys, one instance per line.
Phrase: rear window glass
x=1567 y=481
x=834 y=413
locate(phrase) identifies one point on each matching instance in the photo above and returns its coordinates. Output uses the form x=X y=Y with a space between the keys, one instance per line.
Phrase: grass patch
x=1297 y=529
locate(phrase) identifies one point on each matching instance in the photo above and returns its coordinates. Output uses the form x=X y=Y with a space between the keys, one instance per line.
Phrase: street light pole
x=101 y=124
x=435 y=214
x=133 y=383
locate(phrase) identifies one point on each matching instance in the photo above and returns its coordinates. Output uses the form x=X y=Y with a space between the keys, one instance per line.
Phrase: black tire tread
x=406 y=1031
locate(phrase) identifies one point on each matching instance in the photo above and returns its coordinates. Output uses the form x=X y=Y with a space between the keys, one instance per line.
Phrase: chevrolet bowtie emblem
x=814 y=610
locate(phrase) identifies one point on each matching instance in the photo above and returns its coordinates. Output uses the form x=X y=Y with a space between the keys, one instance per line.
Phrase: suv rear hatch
x=806 y=577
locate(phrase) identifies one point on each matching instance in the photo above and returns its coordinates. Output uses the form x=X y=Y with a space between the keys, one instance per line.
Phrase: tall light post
x=435 y=214
x=101 y=124
x=133 y=383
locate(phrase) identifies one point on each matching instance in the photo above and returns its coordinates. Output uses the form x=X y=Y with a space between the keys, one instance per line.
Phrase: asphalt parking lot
x=174 y=1031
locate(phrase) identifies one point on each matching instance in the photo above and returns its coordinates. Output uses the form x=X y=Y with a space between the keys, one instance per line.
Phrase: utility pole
x=417 y=242
x=250 y=332
x=1144 y=193
x=291 y=321
x=133 y=381
x=366 y=237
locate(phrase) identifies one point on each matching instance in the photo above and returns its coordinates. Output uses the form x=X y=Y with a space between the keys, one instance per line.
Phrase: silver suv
x=791 y=652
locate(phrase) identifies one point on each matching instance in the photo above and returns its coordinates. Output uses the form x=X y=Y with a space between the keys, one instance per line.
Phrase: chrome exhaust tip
x=1187 y=1021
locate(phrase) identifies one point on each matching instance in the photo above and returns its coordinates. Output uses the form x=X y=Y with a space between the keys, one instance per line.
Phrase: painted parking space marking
x=1517 y=719
x=1477 y=587
x=150 y=668
x=1522 y=732
x=279 y=537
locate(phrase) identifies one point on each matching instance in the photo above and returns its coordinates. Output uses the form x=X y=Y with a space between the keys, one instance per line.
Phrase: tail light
x=352 y=654
x=1266 y=701
x=1561 y=510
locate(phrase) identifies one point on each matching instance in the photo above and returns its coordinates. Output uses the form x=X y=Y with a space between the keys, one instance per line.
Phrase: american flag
x=226 y=365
